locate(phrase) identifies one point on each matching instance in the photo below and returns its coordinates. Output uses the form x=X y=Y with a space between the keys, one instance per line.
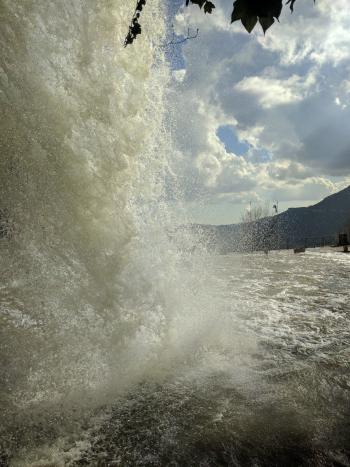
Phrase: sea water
x=265 y=381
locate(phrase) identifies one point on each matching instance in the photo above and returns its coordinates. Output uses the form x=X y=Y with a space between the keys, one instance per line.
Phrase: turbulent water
x=266 y=382
x=118 y=347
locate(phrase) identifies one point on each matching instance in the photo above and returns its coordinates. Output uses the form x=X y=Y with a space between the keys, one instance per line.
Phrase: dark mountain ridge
x=315 y=225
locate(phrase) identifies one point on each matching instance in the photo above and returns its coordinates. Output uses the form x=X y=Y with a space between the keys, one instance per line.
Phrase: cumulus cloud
x=286 y=95
x=315 y=33
x=271 y=92
x=288 y=171
x=179 y=75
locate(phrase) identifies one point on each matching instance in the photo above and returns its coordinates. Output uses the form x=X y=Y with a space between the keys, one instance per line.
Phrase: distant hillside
x=308 y=226
x=324 y=219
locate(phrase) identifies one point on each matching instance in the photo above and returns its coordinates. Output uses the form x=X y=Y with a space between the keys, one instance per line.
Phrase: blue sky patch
x=227 y=135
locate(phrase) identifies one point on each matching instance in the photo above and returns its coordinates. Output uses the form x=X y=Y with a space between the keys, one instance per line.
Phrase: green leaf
x=291 y=4
x=140 y=5
x=266 y=22
x=249 y=22
x=273 y=8
x=200 y=3
x=240 y=10
x=249 y=11
x=208 y=7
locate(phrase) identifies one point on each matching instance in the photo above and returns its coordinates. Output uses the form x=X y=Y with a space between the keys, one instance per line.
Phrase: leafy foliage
x=135 y=26
x=252 y=11
x=208 y=6
x=249 y=12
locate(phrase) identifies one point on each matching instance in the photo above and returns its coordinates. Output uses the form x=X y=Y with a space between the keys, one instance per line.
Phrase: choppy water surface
x=269 y=384
x=265 y=382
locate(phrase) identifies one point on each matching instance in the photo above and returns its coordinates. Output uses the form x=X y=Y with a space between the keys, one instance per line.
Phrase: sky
x=260 y=119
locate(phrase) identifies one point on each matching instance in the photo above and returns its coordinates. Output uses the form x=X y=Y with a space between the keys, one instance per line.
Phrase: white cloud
x=289 y=171
x=179 y=75
x=316 y=32
x=343 y=94
x=313 y=188
x=271 y=92
x=286 y=94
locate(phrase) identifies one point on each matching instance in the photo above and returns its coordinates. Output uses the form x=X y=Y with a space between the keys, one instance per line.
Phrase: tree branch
x=249 y=12
x=135 y=26
x=181 y=41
